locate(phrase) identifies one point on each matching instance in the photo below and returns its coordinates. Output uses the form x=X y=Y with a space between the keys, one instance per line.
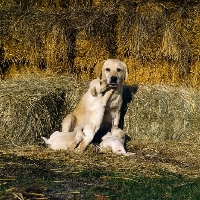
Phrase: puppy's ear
x=98 y=69
x=93 y=91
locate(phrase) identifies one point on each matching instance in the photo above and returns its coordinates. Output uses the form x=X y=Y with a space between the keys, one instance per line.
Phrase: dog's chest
x=114 y=103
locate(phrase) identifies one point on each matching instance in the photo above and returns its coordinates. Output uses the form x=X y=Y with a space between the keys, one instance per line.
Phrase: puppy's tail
x=45 y=140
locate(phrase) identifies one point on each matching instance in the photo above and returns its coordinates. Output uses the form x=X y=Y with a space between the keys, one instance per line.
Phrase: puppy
x=114 y=72
x=64 y=140
x=96 y=100
x=114 y=142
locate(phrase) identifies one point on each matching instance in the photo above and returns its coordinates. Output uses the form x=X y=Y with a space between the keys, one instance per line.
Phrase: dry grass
x=179 y=158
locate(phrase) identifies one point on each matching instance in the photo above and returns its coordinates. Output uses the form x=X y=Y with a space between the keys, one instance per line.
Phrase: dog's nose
x=113 y=79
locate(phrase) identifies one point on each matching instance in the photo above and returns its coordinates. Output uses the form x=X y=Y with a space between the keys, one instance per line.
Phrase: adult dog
x=114 y=72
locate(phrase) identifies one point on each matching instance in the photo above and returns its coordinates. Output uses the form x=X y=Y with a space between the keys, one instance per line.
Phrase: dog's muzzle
x=113 y=81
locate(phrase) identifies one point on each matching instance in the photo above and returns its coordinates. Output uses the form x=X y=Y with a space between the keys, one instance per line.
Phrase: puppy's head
x=118 y=132
x=107 y=135
x=113 y=71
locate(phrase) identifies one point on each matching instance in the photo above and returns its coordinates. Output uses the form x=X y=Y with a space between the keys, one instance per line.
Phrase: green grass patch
x=165 y=185
x=45 y=178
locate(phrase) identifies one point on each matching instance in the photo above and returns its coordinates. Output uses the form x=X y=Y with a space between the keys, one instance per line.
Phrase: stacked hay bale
x=157 y=39
x=36 y=40
x=160 y=113
x=33 y=107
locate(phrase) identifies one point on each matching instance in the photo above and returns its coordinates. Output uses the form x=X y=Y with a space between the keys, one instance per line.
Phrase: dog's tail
x=45 y=139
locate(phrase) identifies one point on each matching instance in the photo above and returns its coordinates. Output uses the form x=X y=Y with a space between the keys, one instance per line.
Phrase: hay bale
x=37 y=39
x=95 y=41
x=159 y=40
x=161 y=113
x=151 y=36
x=33 y=107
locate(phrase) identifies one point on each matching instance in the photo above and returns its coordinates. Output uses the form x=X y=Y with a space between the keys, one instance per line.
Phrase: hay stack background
x=34 y=107
x=159 y=40
x=161 y=113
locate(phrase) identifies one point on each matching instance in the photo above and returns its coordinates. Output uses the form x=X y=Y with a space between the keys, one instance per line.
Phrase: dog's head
x=113 y=71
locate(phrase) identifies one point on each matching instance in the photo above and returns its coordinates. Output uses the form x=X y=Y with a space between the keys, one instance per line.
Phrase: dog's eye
x=108 y=69
x=119 y=69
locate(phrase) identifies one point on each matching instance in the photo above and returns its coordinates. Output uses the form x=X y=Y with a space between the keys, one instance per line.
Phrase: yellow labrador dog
x=113 y=72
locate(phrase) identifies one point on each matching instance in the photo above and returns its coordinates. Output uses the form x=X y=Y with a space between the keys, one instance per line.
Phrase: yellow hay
x=158 y=41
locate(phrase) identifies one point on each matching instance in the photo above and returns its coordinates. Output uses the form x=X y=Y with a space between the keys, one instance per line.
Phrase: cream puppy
x=64 y=140
x=97 y=97
x=114 y=142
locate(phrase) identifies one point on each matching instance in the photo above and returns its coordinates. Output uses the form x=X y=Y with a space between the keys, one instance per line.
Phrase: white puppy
x=114 y=142
x=64 y=140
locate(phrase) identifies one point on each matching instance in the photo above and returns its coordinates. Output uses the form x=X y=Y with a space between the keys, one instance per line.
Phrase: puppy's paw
x=130 y=154
x=78 y=151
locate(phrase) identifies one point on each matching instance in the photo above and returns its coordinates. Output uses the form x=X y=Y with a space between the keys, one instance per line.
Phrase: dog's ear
x=98 y=69
x=125 y=72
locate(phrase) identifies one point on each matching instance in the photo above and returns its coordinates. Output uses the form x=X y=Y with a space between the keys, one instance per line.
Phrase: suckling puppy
x=113 y=144
x=64 y=140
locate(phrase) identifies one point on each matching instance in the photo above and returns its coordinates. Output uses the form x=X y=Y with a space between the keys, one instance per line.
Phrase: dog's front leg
x=115 y=118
